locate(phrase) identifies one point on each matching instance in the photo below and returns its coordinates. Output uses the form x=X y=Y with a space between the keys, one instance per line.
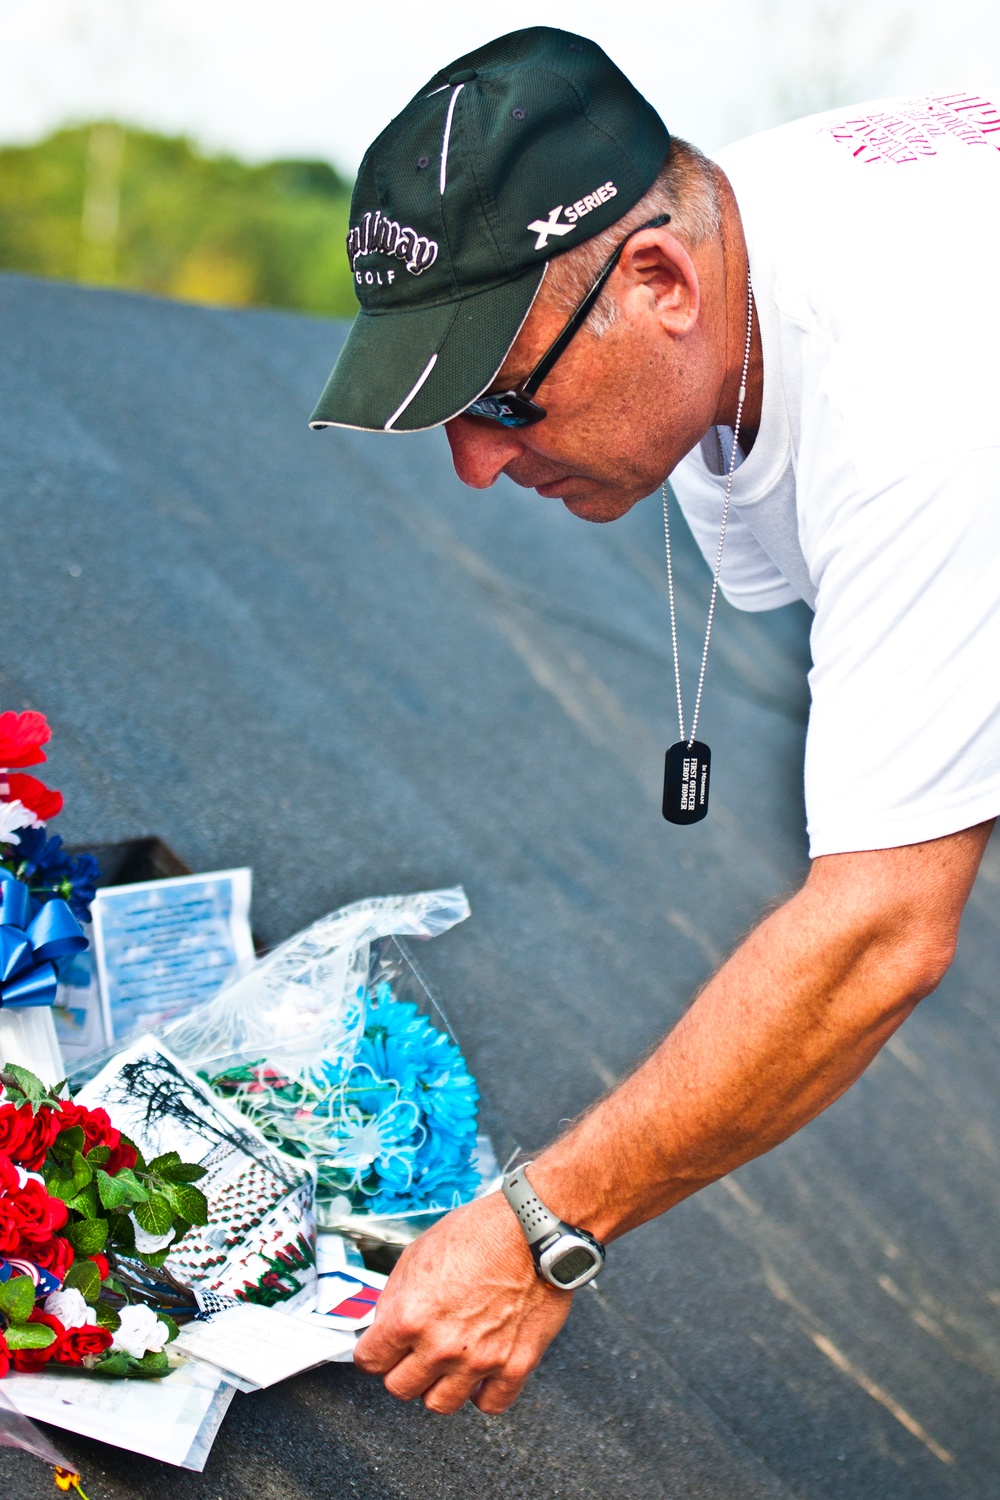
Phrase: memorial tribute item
x=45 y=894
x=334 y=1046
x=257 y=1241
x=162 y=947
x=85 y=1227
x=688 y=763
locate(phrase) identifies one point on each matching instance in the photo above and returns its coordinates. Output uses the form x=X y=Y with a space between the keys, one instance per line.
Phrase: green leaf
x=106 y=1316
x=17 y=1298
x=113 y=1193
x=121 y=1232
x=85 y=1203
x=156 y=1216
x=170 y=1325
x=123 y=1188
x=168 y=1159
x=151 y=1366
x=68 y=1180
x=187 y=1202
x=30 y=1336
x=31 y=1087
x=98 y=1155
x=114 y=1366
x=88 y=1236
x=182 y=1172
x=86 y=1278
x=68 y=1142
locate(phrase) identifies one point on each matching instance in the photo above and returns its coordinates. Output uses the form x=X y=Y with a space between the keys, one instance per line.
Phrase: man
x=865 y=479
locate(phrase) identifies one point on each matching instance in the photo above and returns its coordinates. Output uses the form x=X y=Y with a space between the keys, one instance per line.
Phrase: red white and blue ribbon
x=45 y=1281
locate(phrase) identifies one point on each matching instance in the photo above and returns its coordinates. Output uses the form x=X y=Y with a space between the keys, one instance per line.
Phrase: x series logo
x=546 y=228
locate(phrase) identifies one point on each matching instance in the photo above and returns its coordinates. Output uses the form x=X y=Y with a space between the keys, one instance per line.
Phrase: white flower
x=149 y=1244
x=140 y=1331
x=70 y=1308
x=23 y=1176
x=14 y=815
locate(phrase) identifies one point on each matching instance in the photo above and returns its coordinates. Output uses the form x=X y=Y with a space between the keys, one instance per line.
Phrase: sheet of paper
x=259 y=1241
x=163 y=946
x=162 y=1419
x=78 y=1012
x=260 y=1344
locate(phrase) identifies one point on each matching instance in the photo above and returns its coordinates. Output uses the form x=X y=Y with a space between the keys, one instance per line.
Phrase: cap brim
x=407 y=370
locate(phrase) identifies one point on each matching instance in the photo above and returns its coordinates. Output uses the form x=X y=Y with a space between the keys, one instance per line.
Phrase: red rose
x=12 y=1129
x=76 y=1343
x=33 y=794
x=122 y=1155
x=95 y=1124
x=4 y=1357
x=30 y=1360
x=40 y=1132
x=56 y=1255
x=10 y=1181
x=41 y=1215
x=101 y=1262
x=21 y=735
x=10 y=1224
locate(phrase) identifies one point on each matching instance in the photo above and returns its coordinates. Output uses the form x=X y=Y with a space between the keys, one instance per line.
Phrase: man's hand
x=464 y=1314
x=785 y=1026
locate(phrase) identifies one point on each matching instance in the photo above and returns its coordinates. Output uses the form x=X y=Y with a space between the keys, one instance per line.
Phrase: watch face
x=575 y=1263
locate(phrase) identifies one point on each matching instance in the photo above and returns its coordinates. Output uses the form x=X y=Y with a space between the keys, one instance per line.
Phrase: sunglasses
x=516 y=408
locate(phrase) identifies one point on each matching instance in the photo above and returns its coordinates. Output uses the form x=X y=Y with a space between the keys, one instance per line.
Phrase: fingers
x=428 y=1341
x=380 y=1348
x=411 y=1378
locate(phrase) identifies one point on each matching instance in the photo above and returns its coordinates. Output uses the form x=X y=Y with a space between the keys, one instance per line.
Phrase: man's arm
x=784 y=1027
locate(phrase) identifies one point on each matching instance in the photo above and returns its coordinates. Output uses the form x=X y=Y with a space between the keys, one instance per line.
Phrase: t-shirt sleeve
x=749 y=579
x=904 y=729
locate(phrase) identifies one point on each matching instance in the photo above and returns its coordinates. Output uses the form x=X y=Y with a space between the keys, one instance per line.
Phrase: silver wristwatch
x=564 y=1256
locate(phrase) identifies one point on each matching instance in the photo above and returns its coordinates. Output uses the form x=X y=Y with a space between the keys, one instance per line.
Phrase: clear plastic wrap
x=307 y=996
x=338 y=1050
x=16 y=1431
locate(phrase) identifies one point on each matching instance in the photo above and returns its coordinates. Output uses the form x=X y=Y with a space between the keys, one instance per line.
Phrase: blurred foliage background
x=109 y=205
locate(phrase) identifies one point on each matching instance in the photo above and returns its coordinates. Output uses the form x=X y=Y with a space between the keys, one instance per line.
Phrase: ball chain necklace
x=688 y=763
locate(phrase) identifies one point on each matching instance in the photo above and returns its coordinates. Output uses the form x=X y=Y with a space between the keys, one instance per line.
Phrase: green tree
x=109 y=205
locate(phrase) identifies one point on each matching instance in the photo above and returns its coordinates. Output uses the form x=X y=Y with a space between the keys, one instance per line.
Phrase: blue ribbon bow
x=33 y=937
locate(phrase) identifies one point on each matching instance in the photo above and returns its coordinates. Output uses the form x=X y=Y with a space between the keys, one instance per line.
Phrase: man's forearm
x=783 y=1029
x=788 y=1023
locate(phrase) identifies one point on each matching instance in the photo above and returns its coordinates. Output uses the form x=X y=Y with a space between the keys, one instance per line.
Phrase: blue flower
x=393 y=1128
x=49 y=871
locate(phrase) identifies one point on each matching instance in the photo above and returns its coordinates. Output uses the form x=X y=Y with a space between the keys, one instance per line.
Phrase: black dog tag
x=685 y=782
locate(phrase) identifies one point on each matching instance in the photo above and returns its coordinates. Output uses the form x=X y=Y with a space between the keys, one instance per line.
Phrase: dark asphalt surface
x=319 y=655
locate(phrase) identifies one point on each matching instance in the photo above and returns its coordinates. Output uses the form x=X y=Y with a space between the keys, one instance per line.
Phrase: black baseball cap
x=510 y=155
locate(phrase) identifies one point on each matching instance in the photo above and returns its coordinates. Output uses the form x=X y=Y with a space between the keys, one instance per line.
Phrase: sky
x=320 y=78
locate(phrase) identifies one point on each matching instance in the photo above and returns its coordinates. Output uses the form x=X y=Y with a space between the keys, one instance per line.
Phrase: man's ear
x=657 y=269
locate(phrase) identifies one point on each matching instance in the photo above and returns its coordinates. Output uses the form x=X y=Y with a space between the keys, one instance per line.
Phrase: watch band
x=535 y=1219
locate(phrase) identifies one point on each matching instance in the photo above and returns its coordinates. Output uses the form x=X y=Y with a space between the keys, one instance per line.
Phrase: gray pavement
x=319 y=655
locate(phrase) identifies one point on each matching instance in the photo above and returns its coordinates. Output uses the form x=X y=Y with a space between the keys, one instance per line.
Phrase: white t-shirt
x=873 y=488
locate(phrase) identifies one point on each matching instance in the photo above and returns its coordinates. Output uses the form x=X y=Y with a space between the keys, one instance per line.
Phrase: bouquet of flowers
x=26 y=806
x=336 y=1048
x=392 y=1129
x=85 y=1226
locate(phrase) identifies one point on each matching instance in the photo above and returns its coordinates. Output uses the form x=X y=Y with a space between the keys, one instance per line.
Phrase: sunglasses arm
x=555 y=350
